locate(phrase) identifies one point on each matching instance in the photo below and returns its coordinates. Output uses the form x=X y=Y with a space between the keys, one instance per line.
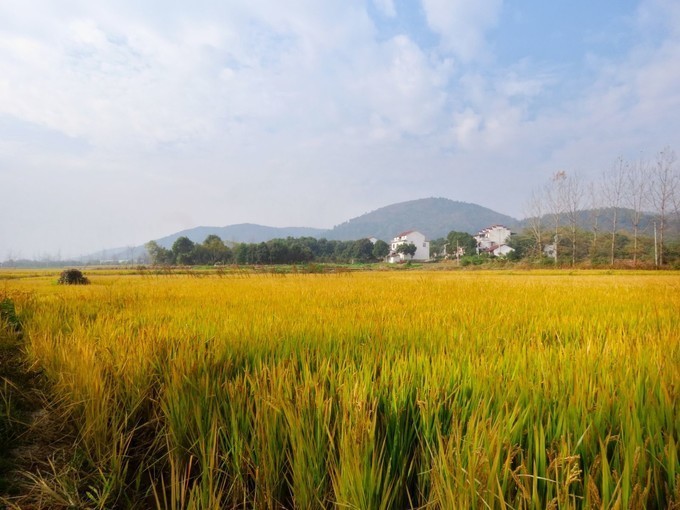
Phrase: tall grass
x=367 y=390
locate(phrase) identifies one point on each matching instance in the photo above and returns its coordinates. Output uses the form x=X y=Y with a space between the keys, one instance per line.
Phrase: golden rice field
x=367 y=390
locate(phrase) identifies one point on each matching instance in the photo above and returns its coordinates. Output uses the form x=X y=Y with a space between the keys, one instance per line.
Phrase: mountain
x=434 y=217
x=241 y=233
x=602 y=219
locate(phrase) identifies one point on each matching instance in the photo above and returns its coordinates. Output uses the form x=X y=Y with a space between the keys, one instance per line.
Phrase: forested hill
x=242 y=233
x=606 y=219
x=434 y=217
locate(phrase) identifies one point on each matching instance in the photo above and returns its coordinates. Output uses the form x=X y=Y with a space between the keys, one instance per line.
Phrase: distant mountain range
x=434 y=217
x=241 y=233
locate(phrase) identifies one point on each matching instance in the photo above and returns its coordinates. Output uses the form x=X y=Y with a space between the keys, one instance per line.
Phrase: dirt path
x=30 y=436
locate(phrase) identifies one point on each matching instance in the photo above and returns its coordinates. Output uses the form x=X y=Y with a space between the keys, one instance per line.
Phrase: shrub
x=8 y=315
x=72 y=277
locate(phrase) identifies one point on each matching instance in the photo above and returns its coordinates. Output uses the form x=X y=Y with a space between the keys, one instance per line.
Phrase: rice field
x=367 y=390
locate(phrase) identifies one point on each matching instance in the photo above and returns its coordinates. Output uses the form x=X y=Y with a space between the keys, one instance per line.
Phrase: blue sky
x=133 y=120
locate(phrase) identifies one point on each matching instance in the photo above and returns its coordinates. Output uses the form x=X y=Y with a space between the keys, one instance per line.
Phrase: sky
x=124 y=121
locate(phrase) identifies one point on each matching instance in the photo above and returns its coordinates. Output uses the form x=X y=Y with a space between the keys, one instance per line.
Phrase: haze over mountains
x=434 y=217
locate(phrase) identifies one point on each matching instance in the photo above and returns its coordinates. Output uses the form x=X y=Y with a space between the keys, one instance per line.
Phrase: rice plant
x=366 y=390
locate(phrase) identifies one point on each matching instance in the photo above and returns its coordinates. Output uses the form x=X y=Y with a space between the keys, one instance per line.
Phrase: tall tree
x=637 y=191
x=664 y=188
x=362 y=250
x=457 y=240
x=182 y=248
x=534 y=211
x=407 y=249
x=555 y=194
x=278 y=251
x=241 y=253
x=380 y=249
x=613 y=185
x=216 y=250
x=594 y=197
x=573 y=195
x=158 y=254
x=261 y=254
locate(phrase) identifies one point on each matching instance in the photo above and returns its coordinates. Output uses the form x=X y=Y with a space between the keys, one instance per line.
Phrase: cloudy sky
x=125 y=121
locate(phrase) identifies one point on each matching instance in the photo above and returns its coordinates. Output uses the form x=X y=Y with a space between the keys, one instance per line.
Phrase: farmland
x=370 y=390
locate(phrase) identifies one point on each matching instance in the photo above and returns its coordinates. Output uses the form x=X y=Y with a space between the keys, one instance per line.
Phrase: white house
x=409 y=237
x=502 y=251
x=550 y=250
x=494 y=240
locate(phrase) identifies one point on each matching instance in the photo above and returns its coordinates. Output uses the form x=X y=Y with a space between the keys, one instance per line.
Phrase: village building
x=409 y=237
x=493 y=240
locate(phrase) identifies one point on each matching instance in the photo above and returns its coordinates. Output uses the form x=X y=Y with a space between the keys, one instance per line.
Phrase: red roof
x=405 y=233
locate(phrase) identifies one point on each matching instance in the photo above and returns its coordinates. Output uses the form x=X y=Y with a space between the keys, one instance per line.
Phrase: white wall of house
x=503 y=250
x=491 y=238
x=496 y=234
x=414 y=237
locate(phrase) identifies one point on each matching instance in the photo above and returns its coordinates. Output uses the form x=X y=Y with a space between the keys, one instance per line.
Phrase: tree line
x=628 y=212
x=631 y=212
x=213 y=250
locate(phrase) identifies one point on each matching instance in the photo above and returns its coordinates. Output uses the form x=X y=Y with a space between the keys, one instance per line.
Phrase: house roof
x=489 y=229
x=405 y=233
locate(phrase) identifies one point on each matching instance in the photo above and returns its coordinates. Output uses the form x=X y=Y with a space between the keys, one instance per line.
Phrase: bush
x=72 y=277
x=8 y=315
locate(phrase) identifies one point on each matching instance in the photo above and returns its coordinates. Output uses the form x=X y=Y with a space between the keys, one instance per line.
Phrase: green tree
x=461 y=240
x=199 y=255
x=407 y=249
x=216 y=250
x=241 y=253
x=523 y=244
x=278 y=251
x=380 y=249
x=437 y=246
x=261 y=254
x=299 y=253
x=362 y=250
x=182 y=249
x=158 y=254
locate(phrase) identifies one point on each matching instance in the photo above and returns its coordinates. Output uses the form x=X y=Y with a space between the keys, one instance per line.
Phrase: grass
x=13 y=401
x=400 y=389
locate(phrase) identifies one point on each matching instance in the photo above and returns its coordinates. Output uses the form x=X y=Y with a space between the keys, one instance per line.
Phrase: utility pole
x=656 y=252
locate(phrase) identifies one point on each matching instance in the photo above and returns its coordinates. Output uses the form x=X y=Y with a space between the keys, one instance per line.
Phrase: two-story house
x=409 y=237
x=494 y=240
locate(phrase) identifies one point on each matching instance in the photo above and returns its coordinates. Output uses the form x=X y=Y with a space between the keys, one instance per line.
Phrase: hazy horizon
x=124 y=122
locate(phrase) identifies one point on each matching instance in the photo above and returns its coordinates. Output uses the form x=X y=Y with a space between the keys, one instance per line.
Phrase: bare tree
x=595 y=207
x=663 y=192
x=573 y=196
x=554 y=192
x=534 y=211
x=637 y=190
x=613 y=186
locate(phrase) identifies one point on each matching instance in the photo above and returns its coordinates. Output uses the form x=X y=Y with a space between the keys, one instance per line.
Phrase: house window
x=423 y=245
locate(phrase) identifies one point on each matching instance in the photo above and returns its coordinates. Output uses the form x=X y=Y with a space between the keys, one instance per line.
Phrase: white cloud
x=386 y=7
x=296 y=113
x=462 y=24
x=401 y=86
